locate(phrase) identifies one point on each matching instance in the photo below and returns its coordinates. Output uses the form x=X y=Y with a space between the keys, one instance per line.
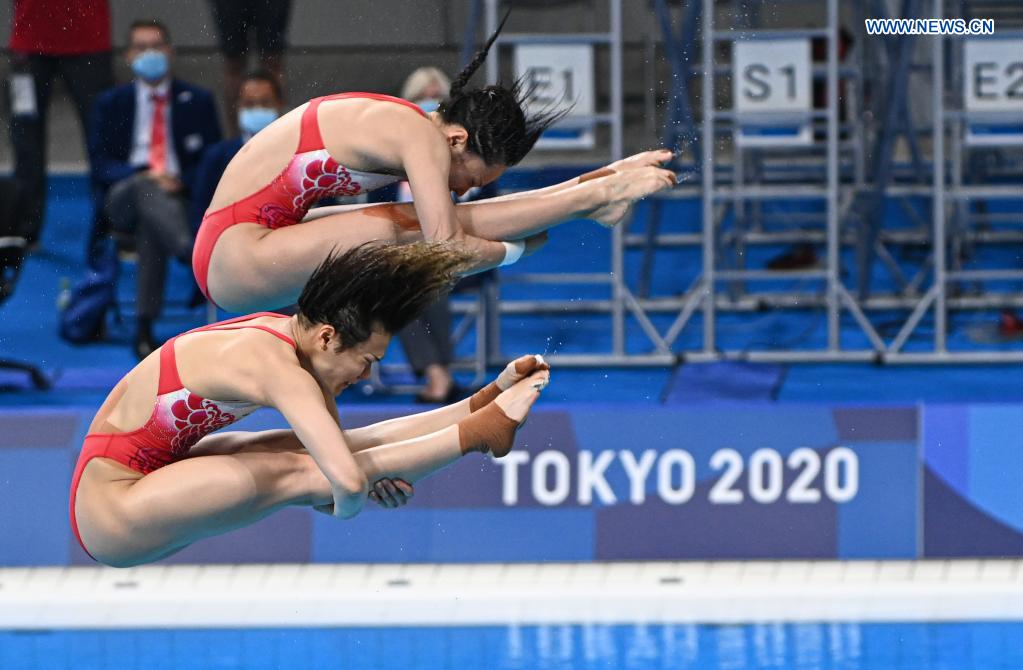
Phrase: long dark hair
x=379 y=286
x=499 y=131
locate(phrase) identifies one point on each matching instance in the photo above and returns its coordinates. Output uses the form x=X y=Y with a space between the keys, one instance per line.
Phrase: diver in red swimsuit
x=310 y=176
x=151 y=479
x=249 y=254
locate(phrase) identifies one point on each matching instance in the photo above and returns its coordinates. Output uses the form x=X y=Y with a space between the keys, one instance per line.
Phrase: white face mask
x=253 y=119
x=429 y=104
x=151 y=65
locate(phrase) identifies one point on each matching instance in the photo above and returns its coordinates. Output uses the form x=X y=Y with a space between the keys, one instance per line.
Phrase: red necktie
x=158 y=137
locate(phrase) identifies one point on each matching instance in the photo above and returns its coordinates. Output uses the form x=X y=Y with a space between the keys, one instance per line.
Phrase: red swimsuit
x=180 y=418
x=312 y=175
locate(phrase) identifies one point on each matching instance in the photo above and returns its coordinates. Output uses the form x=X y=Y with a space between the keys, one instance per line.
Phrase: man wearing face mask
x=260 y=102
x=146 y=140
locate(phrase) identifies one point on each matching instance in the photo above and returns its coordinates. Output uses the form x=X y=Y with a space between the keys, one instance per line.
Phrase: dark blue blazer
x=207 y=175
x=195 y=126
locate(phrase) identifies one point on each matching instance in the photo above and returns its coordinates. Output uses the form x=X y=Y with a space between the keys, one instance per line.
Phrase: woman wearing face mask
x=249 y=253
x=151 y=479
x=427 y=87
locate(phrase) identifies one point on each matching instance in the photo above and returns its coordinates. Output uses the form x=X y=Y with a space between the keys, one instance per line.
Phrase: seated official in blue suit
x=146 y=139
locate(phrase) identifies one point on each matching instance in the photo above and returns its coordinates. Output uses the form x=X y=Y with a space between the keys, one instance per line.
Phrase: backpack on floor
x=84 y=317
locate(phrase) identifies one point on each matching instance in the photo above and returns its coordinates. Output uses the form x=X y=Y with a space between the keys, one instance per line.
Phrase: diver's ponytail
x=494 y=117
x=466 y=74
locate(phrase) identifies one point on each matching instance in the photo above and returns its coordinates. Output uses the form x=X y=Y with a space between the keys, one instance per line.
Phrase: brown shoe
x=799 y=257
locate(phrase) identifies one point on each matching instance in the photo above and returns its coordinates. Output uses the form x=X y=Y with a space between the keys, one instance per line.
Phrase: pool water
x=831 y=646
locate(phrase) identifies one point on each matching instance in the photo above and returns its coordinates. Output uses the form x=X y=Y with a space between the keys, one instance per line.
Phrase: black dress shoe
x=144 y=345
x=454 y=394
x=196 y=299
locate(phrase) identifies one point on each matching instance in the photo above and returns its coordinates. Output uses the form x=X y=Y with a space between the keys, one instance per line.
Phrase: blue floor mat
x=724 y=381
x=83 y=374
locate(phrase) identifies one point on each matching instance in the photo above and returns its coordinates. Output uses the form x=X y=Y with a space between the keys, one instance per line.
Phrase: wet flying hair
x=385 y=286
x=499 y=131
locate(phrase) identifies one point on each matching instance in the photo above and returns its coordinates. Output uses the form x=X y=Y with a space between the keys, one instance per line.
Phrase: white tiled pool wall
x=478 y=594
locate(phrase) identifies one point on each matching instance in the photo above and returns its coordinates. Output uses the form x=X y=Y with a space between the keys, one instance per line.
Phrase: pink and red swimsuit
x=312 y=175
x=180 y=418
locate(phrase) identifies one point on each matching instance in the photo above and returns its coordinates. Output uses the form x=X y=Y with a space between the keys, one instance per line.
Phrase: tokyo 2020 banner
x=592 y=482
x=641 y=483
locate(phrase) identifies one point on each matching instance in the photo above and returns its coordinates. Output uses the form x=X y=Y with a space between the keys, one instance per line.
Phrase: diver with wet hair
x=250 y=253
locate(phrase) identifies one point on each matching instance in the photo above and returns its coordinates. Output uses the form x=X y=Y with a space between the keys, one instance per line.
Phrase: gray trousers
x=159 y=221
x=427 y=340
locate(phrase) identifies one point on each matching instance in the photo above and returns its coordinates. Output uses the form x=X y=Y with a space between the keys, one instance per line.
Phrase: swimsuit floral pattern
x=180 y=420
x=309 y=178
x=194 y=418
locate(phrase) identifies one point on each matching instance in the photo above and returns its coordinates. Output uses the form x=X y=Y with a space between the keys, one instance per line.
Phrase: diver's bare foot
x=493 y=427
x=624 y=188
x=518 y=400
x=643 y=159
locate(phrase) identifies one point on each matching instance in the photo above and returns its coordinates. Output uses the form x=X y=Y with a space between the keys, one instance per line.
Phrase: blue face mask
x=429 y=104
x=151 y=65
x=253 y=119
